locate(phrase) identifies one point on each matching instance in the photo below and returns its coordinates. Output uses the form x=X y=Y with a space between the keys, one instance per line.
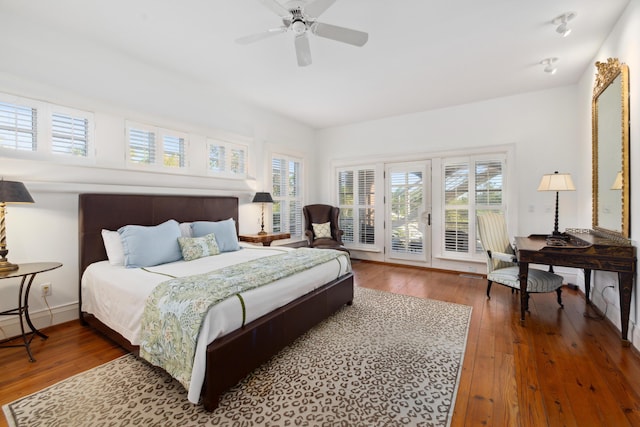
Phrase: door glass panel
x=406 y=190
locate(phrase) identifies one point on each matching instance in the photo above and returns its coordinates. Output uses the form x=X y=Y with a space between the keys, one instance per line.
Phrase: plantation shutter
x=456 y=213
x=216 y=158
x=142 y=146
x=18 y=127
x=356 y=200
x=346 y=204
x=238 y=161
x=69 y=135
x=173 y=147
x=286 y=177
x=366 y=203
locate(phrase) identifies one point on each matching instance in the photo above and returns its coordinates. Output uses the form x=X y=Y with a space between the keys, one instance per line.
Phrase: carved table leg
x=587 y=284
x=523 y=276
x=625 y=282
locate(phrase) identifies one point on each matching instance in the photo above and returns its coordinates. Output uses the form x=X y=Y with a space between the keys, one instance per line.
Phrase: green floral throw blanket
x=176 y=308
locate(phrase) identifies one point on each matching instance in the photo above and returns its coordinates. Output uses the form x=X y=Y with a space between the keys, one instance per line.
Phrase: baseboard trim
x=41 y=319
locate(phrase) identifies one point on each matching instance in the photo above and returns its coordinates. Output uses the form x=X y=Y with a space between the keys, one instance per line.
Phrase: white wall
x=623 y=43
x=47 y=230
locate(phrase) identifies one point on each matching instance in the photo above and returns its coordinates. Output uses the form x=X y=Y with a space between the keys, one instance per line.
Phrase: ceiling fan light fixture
x=562 y=22
x=549 y=64
x=298 y=27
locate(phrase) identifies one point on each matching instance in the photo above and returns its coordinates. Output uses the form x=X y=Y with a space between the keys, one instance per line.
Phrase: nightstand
x=27 y=272
x=265 y=239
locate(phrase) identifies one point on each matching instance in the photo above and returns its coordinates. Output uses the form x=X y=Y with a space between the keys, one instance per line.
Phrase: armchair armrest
x=501 y=256
x=309 y=235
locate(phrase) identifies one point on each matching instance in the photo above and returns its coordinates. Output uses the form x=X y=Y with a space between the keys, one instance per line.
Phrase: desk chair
x=502 y=265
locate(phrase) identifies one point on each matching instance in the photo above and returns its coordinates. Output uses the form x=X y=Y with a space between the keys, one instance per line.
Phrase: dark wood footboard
x=232 y=357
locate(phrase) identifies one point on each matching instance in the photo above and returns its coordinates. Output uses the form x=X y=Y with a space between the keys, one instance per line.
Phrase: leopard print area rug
x=387 y=360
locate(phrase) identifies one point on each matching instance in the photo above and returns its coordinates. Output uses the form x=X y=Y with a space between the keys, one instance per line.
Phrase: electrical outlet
x=45 y=289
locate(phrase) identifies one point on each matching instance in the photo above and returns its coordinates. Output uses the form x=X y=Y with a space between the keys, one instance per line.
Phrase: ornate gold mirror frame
x=610 y=148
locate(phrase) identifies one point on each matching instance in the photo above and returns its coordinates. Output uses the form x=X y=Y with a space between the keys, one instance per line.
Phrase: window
x=173 y=151
x=18 y=127
x=39 y=129
x=286 y=178
x=142 y=146
x=356 y=200
x=69 y=134
x=227 y=158
x=472 y=186
x=145 y=142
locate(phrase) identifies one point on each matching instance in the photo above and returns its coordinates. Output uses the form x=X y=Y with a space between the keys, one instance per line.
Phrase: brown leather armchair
x=322 y=214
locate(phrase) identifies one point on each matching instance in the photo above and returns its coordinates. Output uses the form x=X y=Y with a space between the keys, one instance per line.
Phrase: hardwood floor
x=561 y=369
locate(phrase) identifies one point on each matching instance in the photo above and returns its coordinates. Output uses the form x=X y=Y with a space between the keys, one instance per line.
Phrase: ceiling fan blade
x=341 y=34
x=276 y=7
x=303 y=51
x=318 y=7
x=260 y=36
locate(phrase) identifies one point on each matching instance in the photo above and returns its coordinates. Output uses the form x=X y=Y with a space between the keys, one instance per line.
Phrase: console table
x=587 y=250
x=27 y=272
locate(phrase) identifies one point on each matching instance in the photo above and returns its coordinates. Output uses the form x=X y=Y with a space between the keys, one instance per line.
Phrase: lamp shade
x=14 y=192
x=262 y=198
x=556 y=182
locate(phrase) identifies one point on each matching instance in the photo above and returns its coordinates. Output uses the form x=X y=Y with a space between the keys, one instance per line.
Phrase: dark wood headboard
x=112 y=211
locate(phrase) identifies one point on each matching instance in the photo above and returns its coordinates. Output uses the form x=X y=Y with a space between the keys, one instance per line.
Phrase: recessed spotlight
x=562 y=22
x=549 y=64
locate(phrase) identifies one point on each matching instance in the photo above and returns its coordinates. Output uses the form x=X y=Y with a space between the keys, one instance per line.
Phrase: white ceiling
x=421 y=54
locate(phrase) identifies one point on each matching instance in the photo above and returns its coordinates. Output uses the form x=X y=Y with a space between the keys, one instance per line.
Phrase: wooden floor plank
x=560 y=368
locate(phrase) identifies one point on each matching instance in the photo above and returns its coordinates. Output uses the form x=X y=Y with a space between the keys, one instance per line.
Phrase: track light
x=562 y=22
x=549 y=64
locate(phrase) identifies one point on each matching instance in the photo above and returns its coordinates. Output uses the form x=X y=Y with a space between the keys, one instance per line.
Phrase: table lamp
x=10 y=192
x=262 y=198
x=556 y=182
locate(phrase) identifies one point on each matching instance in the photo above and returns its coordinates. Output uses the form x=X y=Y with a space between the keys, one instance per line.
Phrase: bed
x=228 y=358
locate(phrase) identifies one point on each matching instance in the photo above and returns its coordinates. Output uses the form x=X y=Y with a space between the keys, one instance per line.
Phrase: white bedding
x=116 y=296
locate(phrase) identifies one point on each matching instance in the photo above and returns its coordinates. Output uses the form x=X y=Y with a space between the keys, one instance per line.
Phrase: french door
x=408 y=212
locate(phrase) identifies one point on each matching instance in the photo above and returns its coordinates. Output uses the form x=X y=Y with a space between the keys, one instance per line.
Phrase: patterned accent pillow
x=322 y=231
x=198 y=247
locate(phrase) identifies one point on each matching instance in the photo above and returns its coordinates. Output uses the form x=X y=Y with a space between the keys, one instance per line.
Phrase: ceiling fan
x=300 y=18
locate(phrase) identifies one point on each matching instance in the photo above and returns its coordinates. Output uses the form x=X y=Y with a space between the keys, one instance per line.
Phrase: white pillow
x=185 y=229
x=322 y=231
x=113 y=246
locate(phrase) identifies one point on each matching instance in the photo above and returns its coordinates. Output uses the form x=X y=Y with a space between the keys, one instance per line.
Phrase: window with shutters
x=18 y=127
x=31 y=126
x=152 y=146
x=356 y=200
x=69 y=134
x=227 y=158
x=472 y=185
x=286 y=191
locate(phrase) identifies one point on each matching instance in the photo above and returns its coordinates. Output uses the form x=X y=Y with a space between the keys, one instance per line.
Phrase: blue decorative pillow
x=148 y=246
x=198 y=247
x=225 y=232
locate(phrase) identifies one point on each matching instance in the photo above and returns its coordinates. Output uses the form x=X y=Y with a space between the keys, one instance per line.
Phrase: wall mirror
x=610 y=142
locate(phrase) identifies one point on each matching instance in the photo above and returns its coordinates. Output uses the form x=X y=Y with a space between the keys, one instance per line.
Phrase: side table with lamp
x=262 y=236
x=16 y=192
